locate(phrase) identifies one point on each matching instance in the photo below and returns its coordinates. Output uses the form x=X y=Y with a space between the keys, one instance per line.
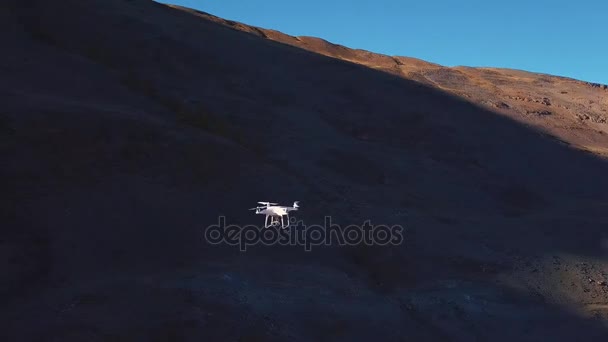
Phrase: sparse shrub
x=100 y=55
x=194 y=115
x=7 y=132
x=139 y=85
x=5 y=127
x=384 y=267
x=35 y=29
x=201 y=117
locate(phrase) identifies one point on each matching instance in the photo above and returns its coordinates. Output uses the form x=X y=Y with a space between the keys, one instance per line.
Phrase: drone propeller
x=267 y=203
x=256 y=208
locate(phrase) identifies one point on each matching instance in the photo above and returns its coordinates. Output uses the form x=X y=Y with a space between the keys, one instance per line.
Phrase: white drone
x=275 y=213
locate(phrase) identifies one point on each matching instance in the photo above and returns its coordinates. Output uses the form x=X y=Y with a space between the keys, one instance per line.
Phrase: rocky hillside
x=549 y=103
x=127 y=127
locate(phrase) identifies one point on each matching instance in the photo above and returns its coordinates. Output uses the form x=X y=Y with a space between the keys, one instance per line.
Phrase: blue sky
x=559 y=37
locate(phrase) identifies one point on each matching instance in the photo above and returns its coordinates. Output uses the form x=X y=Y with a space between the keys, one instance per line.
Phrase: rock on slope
x=130 y=126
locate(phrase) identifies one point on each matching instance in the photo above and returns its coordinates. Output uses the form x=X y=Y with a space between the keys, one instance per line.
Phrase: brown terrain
x=128 y=127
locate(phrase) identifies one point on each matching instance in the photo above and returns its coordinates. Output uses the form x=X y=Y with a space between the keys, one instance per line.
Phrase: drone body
x=276 y=213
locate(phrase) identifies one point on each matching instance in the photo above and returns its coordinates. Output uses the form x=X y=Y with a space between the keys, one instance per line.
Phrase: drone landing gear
x=275 y=222
x=282 y=223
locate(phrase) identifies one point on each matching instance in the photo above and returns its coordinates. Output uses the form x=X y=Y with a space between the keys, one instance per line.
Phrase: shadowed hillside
x=127 y=127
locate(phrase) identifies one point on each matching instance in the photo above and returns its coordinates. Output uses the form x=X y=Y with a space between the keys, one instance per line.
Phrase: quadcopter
x=275 y=213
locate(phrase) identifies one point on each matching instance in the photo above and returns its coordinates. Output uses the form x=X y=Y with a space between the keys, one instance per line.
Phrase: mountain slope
x=129 y=126
x=555 y=104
